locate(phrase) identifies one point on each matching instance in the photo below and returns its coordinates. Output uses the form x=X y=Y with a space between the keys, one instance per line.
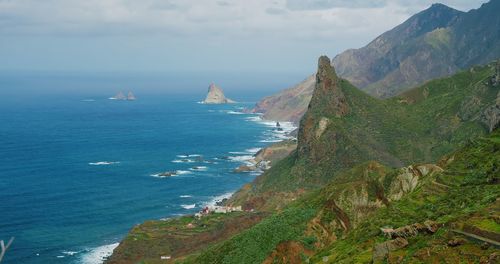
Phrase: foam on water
x=188 y=206
x=199 y=168
x=100 y=163
x=212 y=202
x=235 y=113
x=174 y=173
x=70 y=253
x=99 y=254
x=253 y=150
x=183 y=161
x=185 y=196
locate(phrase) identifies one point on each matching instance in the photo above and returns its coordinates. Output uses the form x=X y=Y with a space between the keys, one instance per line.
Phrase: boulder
x=244 y=168
x=456 y=242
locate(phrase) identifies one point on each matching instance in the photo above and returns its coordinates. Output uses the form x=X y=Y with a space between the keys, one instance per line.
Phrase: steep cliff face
x=288 y=105
x=328 y=101
x=215 y=95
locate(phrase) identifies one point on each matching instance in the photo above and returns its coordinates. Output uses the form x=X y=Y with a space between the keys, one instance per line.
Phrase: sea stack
x=216 y=96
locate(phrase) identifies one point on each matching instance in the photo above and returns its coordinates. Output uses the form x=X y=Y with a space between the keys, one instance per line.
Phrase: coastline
x=271 y=135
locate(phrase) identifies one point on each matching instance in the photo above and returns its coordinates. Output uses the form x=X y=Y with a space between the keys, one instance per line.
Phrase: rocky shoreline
x=234 y=219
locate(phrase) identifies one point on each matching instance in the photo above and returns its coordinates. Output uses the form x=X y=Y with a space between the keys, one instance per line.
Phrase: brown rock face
x=327 y=102
x=287 y=105
x=327 y=92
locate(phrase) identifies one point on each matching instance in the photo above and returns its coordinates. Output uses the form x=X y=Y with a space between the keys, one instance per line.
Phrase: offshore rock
x=215 y=95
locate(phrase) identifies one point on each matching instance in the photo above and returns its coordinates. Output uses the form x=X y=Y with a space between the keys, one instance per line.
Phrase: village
x=218 y=210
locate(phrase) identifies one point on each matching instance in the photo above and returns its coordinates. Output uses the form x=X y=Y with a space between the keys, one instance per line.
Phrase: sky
x=192 y=35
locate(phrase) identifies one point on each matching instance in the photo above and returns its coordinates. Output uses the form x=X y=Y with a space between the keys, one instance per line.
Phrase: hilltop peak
x=328 y=102
x=327 y=94
x=439 y=8
x=439 y=5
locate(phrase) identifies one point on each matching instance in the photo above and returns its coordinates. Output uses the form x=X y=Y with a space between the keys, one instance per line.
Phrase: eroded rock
x=382 y=250
x=215 y=95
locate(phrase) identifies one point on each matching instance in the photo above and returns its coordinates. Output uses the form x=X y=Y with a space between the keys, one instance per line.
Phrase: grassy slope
x=417 y=127
x=472 y=177
x=147 y=242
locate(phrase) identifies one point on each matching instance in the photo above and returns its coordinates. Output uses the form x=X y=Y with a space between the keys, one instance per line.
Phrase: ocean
x=77 y=170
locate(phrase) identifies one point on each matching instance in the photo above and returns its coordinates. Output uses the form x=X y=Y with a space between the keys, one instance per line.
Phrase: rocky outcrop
x=216 y=96
x=429 y=227
x=244 y=168
x=271 y=154
x=288 y=105
x=491 y=115
x=328 y=101
x=408 y=179
x=382 y=250
x=266 y=157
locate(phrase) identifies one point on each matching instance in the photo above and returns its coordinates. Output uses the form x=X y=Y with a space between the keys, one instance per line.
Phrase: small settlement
x=218 y=210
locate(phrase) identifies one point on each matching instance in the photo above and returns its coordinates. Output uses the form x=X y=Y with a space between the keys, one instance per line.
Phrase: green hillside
x=361 y=164
x=345 y=127
x=341 y=223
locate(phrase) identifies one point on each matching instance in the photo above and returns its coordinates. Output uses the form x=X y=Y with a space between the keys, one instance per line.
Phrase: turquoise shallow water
x=76 y=170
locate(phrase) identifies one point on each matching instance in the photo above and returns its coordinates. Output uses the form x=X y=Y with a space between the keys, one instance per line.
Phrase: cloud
x=163 y=5
x=218 y=17
x=329 y=4
x=210 y=28
x=275 y=11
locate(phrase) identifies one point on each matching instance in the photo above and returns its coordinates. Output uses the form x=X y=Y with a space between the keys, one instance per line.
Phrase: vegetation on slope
x=341 y=222
x=345 y=127
x=177 y=237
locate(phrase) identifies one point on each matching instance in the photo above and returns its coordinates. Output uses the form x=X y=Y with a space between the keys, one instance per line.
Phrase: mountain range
x=434 y=43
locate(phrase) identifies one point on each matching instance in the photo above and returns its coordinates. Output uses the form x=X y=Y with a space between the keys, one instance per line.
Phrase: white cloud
x=195 y=17
x=275 y=29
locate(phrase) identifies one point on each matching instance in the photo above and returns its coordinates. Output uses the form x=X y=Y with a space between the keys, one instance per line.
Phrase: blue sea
x=78 y=170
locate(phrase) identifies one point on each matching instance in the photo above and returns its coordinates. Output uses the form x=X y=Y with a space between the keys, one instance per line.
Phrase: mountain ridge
x=434 y=43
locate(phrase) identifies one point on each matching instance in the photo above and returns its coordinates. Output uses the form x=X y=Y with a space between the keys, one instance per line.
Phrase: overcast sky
x=192 y=35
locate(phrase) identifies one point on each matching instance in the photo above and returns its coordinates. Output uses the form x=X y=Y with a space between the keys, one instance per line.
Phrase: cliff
x=288 y=105
x=215 y=95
